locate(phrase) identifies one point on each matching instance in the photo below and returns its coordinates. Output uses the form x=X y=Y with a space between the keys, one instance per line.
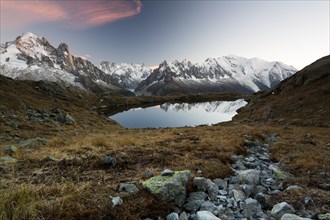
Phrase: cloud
x=78 y=14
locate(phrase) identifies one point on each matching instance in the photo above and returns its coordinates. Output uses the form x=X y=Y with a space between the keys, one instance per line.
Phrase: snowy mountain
x=224 y=74
x=33 y=58
x=126 y=75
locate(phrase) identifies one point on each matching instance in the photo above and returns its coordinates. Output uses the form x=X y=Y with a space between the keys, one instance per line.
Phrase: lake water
x=179 y=114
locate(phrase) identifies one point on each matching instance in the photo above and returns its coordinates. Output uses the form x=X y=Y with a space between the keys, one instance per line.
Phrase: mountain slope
x=126 y=75
x=303 y=98
x=224 y=74
x=33 y=58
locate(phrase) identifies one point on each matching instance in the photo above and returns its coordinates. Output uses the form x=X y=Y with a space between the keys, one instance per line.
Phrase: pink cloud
x=79 y=14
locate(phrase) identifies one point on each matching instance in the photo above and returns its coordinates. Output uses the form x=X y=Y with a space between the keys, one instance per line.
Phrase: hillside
x=302 y=99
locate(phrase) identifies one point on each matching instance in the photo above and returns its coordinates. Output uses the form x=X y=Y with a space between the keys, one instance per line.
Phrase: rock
x=128 y=187
x=199 y=195
x=278 y=173
x=212 y=189
x=200 y=183
x=7 y=159
x=167 y=172
x=149 y=174
x=238 y=195
x=11 y=149
x=293 y=217
x=183 y=216
x=116 y=201
x=172 y=216
x=108 y=161
x=324 y=186
x=33 y=142
x=205 y=215
x=308 y=201
x=223 y=192
x=251 y=208
x=280 y=209
x=293 y=187
x=209 y=206
x=169 y=188
x=193 y=205
x=325 y=216
x=263 y=200
x=225 y=213
x=222 y=184
x=251 y=176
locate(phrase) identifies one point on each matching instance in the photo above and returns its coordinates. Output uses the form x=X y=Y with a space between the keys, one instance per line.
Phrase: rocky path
x=245 y=195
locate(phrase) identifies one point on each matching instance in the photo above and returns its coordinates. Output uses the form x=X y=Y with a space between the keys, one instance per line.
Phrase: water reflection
x=179 y=114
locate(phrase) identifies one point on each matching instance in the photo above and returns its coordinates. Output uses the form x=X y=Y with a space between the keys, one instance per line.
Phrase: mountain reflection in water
x=179 y=114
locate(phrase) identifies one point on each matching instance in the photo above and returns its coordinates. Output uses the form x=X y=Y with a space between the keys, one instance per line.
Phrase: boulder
x=222 y=184
x=205 y=215
x=325 y=216
x=199 y=195
x=169 y=188
x=209 y=206
x=116 y=201
x=251 y=176
x=183 y=216
x=11 y=149
x=280 y=209
x=251 y=208
x=193 y=205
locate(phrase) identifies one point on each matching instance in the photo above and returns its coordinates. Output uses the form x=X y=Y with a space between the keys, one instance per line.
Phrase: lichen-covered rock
x=9 y=149
x=33 y=142
x=128 y=187
x=169 y=188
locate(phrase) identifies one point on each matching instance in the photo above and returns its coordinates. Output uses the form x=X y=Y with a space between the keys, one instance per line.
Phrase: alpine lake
x=169 y=115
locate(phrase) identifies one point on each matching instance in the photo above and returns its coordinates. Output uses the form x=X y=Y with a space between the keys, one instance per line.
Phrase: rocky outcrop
x=171 y=188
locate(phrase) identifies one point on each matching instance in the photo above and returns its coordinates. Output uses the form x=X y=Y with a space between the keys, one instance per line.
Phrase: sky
x=136 y=31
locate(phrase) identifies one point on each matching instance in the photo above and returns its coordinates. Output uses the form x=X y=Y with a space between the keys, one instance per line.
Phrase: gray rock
x=209 y=206
x=169 y=188
x=212 y=189
x=183 y=216
x=251 y=176
x=293 y=217
x=193 y=205
x=223 y=192
x=324 y=186
x=116 y=201
x=172 y=216
x=200 y=183
x=199 y=195
x=128 y=187
x=205 y=215
x=108 y=161
x=225 y=213
x=308 y=201
x=293 y=187
x=248 y=190
x=7 y=159
x=167 y=172
x=280 y=209
x=238 y=195
x=251 y=208
x=263 y=200
x=222 y=184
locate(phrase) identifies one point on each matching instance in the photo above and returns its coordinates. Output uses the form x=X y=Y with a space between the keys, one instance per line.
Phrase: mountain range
x=33 y=58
